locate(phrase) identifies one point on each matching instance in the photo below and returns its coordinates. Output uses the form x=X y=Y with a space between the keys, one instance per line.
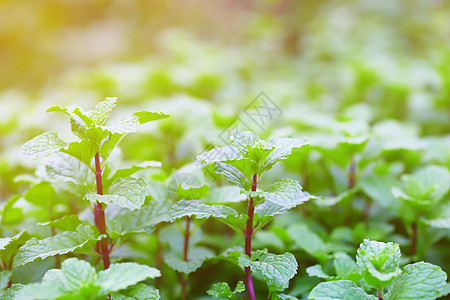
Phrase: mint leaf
x=308 y=241
x=284 y=192
x=42 y=145
x=61 y=243
x=339 y=290
x=102 y=110
x=268 y=208
x=122 y=275
x=142 y=220
x=283 y=148
x=196 y=258
x=144 y=116
x=10 y=245
x=222 y=290
x=66 y=223
x=244 y=140
x=189 y=208
x=418 y=281
x=218 y=155
x=83 y=151
x=233 y=174
x=276 y=270
x=5 y=277
x=77 y=177
x=317 y=271
x=76 y=279
x=125 y=172
x=346 y=267
x=127 y=192
x=139 y=291
x=440 y=223
x=379 y=262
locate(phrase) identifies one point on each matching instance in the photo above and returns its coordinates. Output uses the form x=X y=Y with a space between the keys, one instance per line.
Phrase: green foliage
x=77 y=279
x=379 y=267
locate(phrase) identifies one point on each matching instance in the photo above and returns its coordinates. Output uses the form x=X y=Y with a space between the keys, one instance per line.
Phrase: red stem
x=248 y=240
x=185 y=258
x=351 y=174
x=380 y=295
x=99 y=215
x=413 y=238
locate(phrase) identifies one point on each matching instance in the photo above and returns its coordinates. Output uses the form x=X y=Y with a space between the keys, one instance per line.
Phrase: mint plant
x=243 y=163
x=420 y=196
x=81 y=166
x=379 y=267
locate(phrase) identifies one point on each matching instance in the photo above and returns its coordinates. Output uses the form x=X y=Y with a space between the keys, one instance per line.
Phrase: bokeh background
x=354 y=67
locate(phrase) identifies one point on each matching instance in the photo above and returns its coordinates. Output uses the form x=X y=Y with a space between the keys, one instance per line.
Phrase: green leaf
x=77 y=178
x=339 y=290
x=379 y=262
x=233 y=174
x=317 y=271
x=224 y=194
x=268 y=208
x=141 y=220
x=218 y=155
x=424 y=187
x=123 y=173
x=83 y=151
x=10 y=245
x=139 y=291
x=5 y=277
x=120 y=276
x=222 y=290
x=147 y=116
x=440 y=223
x=308 y=241
x=102 y=110
x=127 y=192
x=61 y=243
x=75 y=280
x=243 y=140
x=66 y=223
x=283 y=148
x=196 y=258
x=379 y=189
x=418 y=281
x=189 y=208
x=42 y=145
x=284 y=192
x=41 y=194
x=276 y=270
x=283 y=297
x=11 y=293
x=346 y=268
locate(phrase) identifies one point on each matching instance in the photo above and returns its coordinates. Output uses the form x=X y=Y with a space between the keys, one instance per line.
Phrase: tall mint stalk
x=99 y=215
x=248 y=239
x=96 y=141
x=243 y=163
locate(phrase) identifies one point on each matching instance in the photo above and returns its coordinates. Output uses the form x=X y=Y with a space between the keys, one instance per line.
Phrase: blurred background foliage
x=377 y=71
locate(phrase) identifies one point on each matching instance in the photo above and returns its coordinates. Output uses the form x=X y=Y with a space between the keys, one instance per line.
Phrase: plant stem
x=413 y=238
x=99 y=215
x=248 y=240
x=380 y=295
x=185 y=258
x=351 y=174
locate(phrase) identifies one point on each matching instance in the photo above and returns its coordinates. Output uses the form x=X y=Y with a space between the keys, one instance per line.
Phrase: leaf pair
x=77 y=279
x=379 y=264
